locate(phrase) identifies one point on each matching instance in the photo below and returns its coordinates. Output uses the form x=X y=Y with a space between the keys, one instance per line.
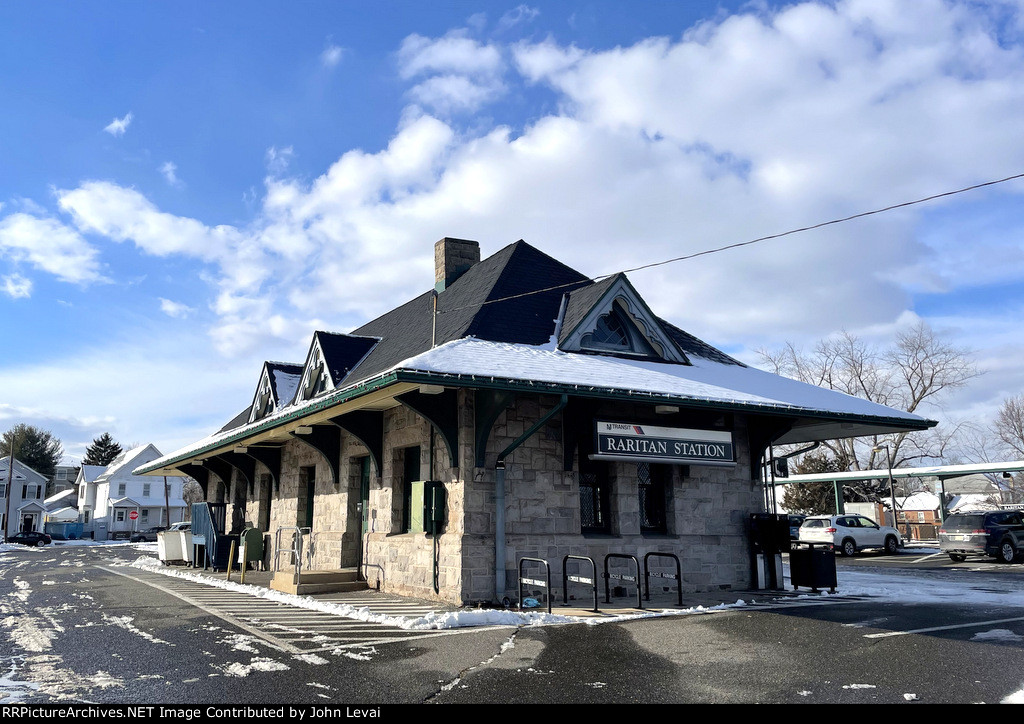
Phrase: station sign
x=629 y=441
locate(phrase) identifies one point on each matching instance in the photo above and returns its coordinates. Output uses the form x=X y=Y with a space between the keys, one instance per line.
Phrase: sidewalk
x=580 y=606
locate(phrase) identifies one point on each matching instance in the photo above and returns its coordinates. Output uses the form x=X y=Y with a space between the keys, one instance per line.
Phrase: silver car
x=850 y=533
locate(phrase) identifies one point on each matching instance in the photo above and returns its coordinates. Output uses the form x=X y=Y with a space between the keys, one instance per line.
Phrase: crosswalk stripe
x=292 y=629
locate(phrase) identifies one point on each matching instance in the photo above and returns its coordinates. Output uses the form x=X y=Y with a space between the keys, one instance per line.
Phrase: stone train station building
x=542 y=413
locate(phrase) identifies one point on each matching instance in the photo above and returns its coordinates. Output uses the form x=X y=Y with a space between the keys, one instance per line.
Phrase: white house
x=25 y=509
x=107 y=499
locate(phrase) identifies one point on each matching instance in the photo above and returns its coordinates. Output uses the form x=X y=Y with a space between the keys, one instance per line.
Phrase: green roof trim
x=449 y=379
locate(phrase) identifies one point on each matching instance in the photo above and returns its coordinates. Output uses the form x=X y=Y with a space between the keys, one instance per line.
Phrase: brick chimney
x=452 y=257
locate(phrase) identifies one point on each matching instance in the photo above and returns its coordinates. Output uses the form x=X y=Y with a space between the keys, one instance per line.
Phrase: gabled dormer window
x=314 y=381
x=609 y=317
x=264 y=403
x=616 y=332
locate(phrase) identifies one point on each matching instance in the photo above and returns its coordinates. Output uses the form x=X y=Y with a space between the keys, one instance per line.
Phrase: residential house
x=24 y=509
x=108 y=498
x=63 y=479
x=518 y=410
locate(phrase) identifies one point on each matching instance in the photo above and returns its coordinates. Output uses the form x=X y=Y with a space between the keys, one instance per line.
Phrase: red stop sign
x=134 y=515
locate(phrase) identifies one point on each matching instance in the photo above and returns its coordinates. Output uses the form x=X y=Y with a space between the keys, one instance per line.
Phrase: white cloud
x=124 y=214
x=116 y=387
x=169 y=170
x=50 y=246
x=278 y=159
x=331 y=56
x=118 y=126
x=17 y=287
x=458 y=73
x=518 y=16
x=750 y=125
x=177 y=310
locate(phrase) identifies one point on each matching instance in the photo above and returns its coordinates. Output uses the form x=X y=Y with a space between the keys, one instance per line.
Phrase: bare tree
x=917 y=369
x=1009 y=425
x=1009 y=429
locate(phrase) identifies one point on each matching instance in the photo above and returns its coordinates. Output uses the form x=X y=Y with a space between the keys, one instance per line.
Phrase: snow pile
x=431 y=621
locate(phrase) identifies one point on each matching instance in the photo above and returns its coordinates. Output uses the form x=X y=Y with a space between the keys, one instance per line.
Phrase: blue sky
x=189 y=189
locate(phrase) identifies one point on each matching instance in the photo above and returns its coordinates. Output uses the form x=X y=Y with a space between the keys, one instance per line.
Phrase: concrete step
x=337 y=581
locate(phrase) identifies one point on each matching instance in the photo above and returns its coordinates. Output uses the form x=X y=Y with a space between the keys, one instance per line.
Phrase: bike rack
x=566 y=579
x=622 y=577
x=533 y=581
x=648 y=575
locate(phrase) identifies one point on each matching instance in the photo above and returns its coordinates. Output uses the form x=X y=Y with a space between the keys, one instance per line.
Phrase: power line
x=758 y=240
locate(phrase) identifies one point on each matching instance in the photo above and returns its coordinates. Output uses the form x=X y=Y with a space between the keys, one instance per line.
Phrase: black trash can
x=812 y=565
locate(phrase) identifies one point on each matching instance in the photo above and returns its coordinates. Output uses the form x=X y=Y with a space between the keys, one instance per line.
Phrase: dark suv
x=998 y=533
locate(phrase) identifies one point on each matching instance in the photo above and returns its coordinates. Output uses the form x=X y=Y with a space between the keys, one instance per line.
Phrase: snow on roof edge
x=421 y=363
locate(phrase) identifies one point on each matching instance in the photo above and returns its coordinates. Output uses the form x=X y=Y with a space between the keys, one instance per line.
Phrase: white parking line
x=270 y=640
x=925 y=558
x=973 y=624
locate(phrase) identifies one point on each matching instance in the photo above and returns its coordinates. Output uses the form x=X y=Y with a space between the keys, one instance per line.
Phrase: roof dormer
x=276 y=389
x=609 y=317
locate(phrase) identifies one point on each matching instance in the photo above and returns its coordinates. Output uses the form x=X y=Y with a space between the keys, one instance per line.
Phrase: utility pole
x=10 y=485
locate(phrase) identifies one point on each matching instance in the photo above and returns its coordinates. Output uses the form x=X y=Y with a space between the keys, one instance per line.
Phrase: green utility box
x=426 y=506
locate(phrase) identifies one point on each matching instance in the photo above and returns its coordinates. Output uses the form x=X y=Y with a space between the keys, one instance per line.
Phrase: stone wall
x=403 y=562
x=707 y=509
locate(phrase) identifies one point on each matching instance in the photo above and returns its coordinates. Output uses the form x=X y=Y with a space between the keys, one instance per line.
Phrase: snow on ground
x=874 y=584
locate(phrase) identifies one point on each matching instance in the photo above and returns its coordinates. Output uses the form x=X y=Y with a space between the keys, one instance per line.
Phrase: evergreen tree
x=102 y=451
x=34 y=447
x=814 y=498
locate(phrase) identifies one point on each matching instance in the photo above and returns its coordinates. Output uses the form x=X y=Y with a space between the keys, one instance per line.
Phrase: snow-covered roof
x=919 y=501
x=972 y=501
x=472 y=362
x=704 y=380
x=60 y=498
x=121 y=467
x=89 y=473
x=124 y=502
x=63 y=514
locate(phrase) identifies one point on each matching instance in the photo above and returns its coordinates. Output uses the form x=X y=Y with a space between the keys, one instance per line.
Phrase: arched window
x=616 y=332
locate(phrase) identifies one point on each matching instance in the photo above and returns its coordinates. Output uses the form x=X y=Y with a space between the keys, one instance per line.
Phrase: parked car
x=148 y=535
x=30 y=538
x=998 y=533
x=183 y=525
x=850 y=533
x=795 y=521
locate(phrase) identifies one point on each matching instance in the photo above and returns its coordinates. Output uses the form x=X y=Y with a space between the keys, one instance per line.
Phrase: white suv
x=850 y=533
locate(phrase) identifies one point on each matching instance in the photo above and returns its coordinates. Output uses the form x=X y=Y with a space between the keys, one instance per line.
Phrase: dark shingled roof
x=580 y=303
x=342 y=352
x=238 y=420
x=693 y=346
x=278 y=369
x=468 y=307
x=463 y=311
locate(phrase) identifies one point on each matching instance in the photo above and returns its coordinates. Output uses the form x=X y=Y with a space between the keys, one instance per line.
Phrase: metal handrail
x=296 y=550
